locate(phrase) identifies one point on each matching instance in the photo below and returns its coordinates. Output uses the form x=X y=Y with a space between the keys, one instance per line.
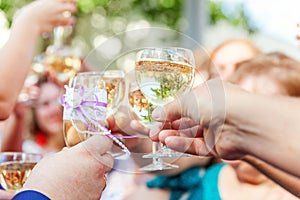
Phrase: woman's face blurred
x=228 y=56
x=48 y=110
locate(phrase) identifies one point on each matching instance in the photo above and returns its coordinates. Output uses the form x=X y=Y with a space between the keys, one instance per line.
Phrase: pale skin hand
x=74 y=173
x=44 y=15
x=6 y=195
x=17 y=54
x=258 y=125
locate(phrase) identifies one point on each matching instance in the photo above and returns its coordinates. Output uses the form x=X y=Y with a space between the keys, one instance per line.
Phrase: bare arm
x=265 y=127
x=12 y=134
x=270 y=128
x=16 y=57
x=17 y=54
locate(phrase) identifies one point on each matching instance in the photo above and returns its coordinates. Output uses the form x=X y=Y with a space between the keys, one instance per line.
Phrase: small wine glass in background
x=37 y=69
x=140 y=105
x=62 y=61
x=15 y=168
x=163 y=74
x=115 y=88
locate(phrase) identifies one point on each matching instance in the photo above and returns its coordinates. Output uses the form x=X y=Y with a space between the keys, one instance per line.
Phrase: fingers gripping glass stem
x=162 y=75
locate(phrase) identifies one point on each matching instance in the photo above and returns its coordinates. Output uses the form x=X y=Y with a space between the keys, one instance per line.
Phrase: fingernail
x=157 y=113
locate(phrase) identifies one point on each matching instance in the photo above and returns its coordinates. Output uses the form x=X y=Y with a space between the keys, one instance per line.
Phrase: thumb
x=169 y=112
x=202 y=104
x=184 y=106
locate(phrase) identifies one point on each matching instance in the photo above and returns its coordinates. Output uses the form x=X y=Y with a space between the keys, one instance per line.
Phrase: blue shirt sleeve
x=30 y=195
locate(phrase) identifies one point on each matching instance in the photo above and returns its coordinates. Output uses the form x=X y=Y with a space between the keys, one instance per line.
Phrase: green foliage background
x=164 y=11
x=119 y=13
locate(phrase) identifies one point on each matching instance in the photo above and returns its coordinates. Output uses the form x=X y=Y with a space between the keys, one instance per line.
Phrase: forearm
x=16 y=58
x=287 y=181
x=269 y=125
x=12 y=134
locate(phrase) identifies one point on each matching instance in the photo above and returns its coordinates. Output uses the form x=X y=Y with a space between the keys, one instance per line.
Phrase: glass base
x=120 y=155
x=166 y=152
x=157 y=166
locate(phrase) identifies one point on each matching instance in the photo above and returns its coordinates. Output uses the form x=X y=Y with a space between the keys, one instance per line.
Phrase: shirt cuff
x=30 y=195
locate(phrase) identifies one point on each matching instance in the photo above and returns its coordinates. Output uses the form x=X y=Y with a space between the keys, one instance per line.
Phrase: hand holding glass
x=163 y=74
x=93 y=95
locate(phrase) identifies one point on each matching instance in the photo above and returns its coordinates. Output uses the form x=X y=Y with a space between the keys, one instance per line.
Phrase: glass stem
x=58 y=36
x=155 y=147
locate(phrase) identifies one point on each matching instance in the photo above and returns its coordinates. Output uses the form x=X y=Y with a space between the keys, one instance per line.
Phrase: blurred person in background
x=227 y=54
x=274 y=74
x=39 y=124
x=47 y=121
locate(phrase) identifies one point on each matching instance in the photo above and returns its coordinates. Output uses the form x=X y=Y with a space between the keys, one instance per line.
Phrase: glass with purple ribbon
x=85 y=105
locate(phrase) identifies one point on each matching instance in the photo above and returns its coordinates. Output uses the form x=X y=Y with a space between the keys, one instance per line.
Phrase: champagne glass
x=163 y=74
x=37 y=69
x=85 y=109
x=115 y=87
x=62 y=61
x=142 y=109
x=15 y=168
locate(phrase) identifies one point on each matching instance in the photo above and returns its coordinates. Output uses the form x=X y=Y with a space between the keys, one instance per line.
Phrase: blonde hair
x=279 y=67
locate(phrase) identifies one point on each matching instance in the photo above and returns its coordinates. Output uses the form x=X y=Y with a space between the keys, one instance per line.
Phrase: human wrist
x=27 y=20
x=26 y=25
x=236 y=104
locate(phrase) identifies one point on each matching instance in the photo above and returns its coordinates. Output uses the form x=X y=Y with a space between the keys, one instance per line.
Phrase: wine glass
x=115 y=87
x=37 y=70
x=62 y=61
x=84 y=104
x=163 y=74
x=85 y=109
x=142 y=109
x=15 y=168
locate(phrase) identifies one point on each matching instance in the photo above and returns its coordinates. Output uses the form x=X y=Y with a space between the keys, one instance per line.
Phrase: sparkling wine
x=71 y=136
x=62 y=67
x=162 y=81
x=140 y=106
x=14 y=174
x=115 y=88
